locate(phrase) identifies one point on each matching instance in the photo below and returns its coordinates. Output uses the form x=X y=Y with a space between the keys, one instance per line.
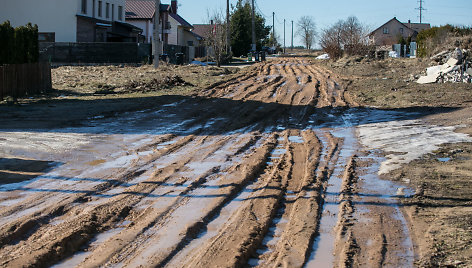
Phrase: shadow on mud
x=185 y=115
x=14 y=170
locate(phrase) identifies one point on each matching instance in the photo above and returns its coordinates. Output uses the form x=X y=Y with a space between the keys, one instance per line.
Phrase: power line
x=277 y=19
x=421 y=9
x=260 y=11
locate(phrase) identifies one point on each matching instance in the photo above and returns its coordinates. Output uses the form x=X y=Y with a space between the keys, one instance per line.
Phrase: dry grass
x=115 y=81
x=443 y=214
x=391 y=84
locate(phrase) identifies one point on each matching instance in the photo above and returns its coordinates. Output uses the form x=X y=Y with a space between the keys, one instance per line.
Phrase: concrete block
x=452 y=62
x=428 y=79
x=445 y=66
x=450 y=69
x=469 y=71
x=433 y=70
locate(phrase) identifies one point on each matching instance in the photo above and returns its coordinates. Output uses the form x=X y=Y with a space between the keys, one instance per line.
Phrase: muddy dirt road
x=277 y=167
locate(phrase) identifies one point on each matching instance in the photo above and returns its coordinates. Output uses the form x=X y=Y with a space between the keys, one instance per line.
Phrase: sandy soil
x=439 y=213
x=277 y=165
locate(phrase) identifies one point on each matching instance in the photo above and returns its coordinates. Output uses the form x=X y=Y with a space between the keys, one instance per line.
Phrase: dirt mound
x=105 y=80
x=155 y=84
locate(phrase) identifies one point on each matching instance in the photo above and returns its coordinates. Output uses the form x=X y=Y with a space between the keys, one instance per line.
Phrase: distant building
x=203 y=30
x=72 y=20
x=141 y=13
x=174 y=29
x=390 y=32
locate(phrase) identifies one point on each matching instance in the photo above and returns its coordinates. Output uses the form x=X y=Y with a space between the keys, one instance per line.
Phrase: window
x=84 y=6
x=112 y=11
x=108 y=10
x=401 y=30
x=100 y=13
x=93 y=8
x=47 y=37
x=120 y=13
x=385 y=30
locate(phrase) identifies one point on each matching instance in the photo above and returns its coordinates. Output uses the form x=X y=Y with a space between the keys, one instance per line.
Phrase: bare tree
x=344 y=36
x=331 y=40
x=353 y=36
x=306 y=29
x=215 y=37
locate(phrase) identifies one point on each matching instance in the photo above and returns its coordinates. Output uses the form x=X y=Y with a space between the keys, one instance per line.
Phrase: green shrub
x=18 y=45
x=429 y=39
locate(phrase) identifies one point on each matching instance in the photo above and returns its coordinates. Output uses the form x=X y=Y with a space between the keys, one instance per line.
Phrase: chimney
x=173 y=4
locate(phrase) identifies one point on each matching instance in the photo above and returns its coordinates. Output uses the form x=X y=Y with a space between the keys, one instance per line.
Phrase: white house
x=175 y=30
x=180 y=30
x=141 y=13
x=72 y=20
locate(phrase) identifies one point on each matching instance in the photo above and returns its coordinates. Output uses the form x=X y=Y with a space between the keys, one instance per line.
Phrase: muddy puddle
x=260 y=180
x=361 y=130
x=405 y=140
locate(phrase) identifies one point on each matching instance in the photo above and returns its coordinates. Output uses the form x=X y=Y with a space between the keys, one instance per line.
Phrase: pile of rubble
x=454 y=67
x=155 y=84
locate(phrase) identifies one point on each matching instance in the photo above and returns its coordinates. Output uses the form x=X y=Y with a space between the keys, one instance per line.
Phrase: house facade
x=141 y=13
x=174 y=30
x=181 y=32
x=72 y=20
x=389 y=33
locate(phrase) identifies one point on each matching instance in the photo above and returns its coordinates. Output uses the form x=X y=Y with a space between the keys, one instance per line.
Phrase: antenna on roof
x=421 y=10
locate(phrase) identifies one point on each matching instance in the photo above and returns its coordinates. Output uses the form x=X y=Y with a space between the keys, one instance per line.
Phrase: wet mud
x=276 y=167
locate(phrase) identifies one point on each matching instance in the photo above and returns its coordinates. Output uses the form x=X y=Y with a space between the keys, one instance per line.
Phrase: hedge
x=18 y=45
x=430 y=38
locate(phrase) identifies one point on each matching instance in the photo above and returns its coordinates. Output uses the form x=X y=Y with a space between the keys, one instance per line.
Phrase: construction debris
x=323 y=57
x=456 y=69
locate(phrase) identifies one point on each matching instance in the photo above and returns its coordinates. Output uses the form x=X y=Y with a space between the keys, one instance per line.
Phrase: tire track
x=235 y=185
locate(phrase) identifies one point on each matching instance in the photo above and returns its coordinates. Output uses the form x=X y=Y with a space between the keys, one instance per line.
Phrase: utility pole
x=253 y=46
x=273 y=29
x=284 y=36
x=156 y=39
x=421 y=10
x=292 y=35
x=228 y=49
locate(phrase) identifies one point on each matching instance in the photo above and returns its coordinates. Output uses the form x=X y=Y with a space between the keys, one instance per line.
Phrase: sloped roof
x=180 y=20
x=416 y=27
x=394 y=19
x=419 y=26
x=143 y=9
x=202 y=29
x=140 y=9
x=199 y=37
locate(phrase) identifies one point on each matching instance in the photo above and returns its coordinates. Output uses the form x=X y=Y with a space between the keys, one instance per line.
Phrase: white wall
x=50 y=15
x=113 y=4
x=144 y=25
x=173 y=31
x=58 y=16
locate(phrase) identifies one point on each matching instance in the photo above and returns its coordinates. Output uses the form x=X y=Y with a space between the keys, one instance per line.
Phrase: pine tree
x=241 y=29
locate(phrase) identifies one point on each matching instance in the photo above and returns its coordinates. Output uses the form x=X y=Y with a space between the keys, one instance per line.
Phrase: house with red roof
x=141 y=13
x=175 y=30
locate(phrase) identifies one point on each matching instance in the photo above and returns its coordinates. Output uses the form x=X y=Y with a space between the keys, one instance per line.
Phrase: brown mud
x=236 y=175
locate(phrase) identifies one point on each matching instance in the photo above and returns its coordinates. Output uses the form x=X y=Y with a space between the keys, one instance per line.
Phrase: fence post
x=2 y=82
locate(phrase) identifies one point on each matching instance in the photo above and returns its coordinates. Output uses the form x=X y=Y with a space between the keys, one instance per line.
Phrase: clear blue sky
x=373 y=13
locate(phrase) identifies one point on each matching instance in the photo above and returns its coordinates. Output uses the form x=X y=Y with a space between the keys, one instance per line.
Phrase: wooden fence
x=20 y=80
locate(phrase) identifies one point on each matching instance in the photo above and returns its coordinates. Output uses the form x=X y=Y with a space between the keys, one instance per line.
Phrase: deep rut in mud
x=240 y=174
